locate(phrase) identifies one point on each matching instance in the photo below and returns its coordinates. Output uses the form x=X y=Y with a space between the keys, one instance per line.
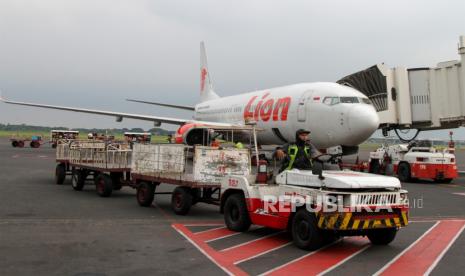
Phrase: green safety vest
x=292 y=152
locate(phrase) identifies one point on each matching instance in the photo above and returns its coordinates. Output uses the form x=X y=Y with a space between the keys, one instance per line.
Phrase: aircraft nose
x=363 y=121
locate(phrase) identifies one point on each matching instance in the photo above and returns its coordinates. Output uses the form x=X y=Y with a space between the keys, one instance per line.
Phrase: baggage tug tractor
x=414 y=161
x=318 y=206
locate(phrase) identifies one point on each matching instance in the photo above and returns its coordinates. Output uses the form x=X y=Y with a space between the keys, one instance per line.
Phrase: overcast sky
x=96 y=53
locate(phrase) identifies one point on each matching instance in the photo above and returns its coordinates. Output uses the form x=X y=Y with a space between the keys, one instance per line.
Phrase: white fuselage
x=335 y=114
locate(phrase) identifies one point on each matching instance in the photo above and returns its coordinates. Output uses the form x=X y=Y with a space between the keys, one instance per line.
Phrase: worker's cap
x=302 y=131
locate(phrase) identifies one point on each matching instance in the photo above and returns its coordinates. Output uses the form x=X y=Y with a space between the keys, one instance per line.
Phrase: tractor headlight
x=403 y=198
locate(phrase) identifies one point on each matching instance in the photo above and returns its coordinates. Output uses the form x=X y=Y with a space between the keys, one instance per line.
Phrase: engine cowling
x=190 y=134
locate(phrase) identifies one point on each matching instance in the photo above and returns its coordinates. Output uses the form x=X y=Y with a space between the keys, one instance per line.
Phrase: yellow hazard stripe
x=331 y=221
x=388 y=222
x=346 y=221
x=366 y=224
x=404 y=217
x=397 y=221
x=320 y=221
x=356 y=223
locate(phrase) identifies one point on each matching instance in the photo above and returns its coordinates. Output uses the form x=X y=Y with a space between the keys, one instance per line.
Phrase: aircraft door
x=303 y=105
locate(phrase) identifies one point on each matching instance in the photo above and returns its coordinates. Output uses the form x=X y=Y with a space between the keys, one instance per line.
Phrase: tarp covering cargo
x=166 y=158
x=170 y=161
x=211 y=164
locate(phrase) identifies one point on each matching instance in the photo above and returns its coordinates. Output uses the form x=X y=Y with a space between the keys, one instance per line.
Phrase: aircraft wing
x=185 y=107
x=119 y=116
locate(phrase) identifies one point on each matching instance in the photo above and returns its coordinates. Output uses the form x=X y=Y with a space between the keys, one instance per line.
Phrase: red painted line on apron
x=214 y=234
x=322 y=260
x=254 y=248
x=216 y=257
x=426 y=251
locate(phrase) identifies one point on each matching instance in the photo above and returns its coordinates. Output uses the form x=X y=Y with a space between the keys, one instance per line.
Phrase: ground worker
x=239 y=145
x=297 y=155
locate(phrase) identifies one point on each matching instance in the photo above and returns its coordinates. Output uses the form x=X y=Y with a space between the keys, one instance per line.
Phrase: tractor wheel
x=14 y=144
x=145 y=194
x=375 y=167
x=78 y=179
x=181 y=200
x=103 y=185
x=60 y=174
x=444 y=181
x=382 y=236
x=305 y=232
x=236 y=215
x=403 y=172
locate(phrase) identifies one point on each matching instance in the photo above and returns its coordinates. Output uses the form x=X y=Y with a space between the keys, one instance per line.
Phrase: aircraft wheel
x=236 y=215
x=181 y=200
x=60 y=174
x=104 y=185
x=382 y=236
x=145 y=194
x=403 y=172
x=305 y=232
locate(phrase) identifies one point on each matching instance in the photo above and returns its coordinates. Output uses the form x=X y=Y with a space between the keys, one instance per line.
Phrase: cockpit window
x=365 y=101
x=331 y=100
x=349 y=100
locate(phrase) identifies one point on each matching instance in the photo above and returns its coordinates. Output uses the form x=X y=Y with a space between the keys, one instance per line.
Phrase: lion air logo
x=266 y=109
x=203 y=76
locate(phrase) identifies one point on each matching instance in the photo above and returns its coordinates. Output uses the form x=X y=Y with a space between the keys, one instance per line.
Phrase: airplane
x=336 y=115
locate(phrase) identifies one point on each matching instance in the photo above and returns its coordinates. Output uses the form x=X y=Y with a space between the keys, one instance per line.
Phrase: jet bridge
x=415 y=98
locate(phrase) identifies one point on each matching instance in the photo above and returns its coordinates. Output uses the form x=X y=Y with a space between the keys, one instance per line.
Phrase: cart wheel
x=305 y=232
x=20 y=144
x=60 y=173
x=236 y=215
x=196 y=195
x=403 y=172
x=181 y=200
x=382 y=236
x=34 y=144
x=14 y=144
x=145 y=194
x=78 y=179
x=103 y=185
x=116 y=180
